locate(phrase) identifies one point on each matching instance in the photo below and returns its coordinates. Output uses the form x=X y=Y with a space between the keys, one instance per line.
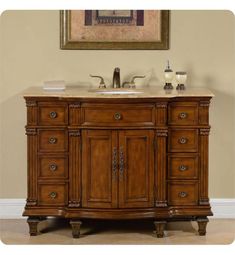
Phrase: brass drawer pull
x=183 y=168
x=114 y=162
x=53 y=195
x=121 y=163
x=183 y=140
x=183 y=115
x=52 y=140
x=53 y=167
x=183 y=194
x=117 y=116
x=53 y=115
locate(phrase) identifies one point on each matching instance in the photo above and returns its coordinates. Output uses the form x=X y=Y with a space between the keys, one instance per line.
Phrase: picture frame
x=74 y=30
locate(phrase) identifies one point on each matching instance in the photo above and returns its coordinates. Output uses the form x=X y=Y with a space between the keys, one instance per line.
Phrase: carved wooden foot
x=76 y=224
x=160 y=226
x=202 y=222
x=33 y=225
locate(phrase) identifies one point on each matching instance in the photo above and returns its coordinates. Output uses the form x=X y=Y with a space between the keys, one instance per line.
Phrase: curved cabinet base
x=160 y=216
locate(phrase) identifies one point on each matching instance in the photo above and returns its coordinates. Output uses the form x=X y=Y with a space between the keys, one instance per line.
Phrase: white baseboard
x=13 y=208
x=223 y=207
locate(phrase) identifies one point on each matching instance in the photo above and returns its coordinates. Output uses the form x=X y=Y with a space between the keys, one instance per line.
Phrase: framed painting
x=114 y=30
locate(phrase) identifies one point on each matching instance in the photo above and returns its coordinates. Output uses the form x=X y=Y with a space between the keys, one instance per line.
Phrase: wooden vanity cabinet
x=117 y=158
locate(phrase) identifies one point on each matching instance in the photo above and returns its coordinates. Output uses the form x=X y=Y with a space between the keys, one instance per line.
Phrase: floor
x=58 y=231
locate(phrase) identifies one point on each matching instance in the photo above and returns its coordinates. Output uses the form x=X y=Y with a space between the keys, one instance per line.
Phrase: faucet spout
x=116 y=78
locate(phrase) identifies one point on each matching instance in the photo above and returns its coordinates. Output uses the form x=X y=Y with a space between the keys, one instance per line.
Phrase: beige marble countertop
x=148 y=92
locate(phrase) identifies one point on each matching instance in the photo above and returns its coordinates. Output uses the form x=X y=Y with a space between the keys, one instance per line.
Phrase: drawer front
x=183 y=140
x=52 y=114
x=183 y=113
x=182 y=166
x=118 y=115
x=52 y=140
x=53 y=167
x=52 y=194
x=185 y=193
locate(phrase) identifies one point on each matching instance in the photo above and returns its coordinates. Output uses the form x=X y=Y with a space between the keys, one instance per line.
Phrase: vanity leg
x=33 y=225
x=202 y=222
x=160 y=226
x=75 y=224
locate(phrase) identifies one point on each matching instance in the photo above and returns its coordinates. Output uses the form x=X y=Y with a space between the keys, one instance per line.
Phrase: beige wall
x=201 y=42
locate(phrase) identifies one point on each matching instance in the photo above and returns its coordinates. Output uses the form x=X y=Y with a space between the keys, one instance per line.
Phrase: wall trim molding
x=13 y=208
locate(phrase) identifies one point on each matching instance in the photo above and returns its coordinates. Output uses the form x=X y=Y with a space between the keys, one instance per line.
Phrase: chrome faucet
x=116 y=78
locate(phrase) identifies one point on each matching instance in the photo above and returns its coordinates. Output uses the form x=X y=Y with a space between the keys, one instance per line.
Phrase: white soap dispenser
x=168 y=75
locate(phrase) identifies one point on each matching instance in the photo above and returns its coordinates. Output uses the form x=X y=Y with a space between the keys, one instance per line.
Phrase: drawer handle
x=183 y=194
x=53 y=115
x=114 y=162
x=183 y=115
x=53 y=167
x=183 y=140
x=53 y=195
x=121 y=163
x=52 y=140
x=183 y=168
x=117 y=116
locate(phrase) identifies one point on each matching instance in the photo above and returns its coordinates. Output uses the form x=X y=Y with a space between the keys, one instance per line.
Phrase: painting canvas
x=115 y=29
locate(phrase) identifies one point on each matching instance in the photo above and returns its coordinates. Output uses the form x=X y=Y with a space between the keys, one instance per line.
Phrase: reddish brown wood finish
x=183 y=193
x=183 y=140
x=52 y=194
x=75 y=184
x=117 y=159
x=50 y=114
x=99 y=183
x=118 y=115
x=183 y=113
x=52 y=167
x=183 y=166
x=160 y=147
x=136 y=169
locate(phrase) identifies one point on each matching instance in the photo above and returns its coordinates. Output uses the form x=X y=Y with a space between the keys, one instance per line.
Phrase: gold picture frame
x=69 y=43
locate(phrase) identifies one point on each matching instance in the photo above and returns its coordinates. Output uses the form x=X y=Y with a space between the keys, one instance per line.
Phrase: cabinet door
x=136 y=168
x=99 y=175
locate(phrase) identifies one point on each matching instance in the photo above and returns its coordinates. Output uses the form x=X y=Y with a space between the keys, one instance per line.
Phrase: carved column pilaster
x=161 y=113
x=204 y=112
x=160 y=168
x=32 y=113
x=74 y=168
x=203 y=175
x=32 y=166
x=74 y=114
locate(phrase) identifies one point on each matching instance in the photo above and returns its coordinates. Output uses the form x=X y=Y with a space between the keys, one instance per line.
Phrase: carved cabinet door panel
x=99 y=168
x=136 y=168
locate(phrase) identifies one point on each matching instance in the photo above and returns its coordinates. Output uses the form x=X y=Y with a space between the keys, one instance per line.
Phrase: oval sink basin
x=116 y=92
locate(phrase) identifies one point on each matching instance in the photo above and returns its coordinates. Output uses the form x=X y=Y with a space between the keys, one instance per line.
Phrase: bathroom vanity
x=118 y=156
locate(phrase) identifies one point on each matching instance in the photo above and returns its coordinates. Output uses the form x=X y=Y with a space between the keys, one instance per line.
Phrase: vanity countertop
x=148 y=92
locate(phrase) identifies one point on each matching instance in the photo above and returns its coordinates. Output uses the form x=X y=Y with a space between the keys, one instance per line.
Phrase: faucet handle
x=102 y=83
x=131 y=84
x=135 y=77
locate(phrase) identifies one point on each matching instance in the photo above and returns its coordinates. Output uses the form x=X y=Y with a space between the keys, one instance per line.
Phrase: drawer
x=52 y=114
x=183 y=140
x=183 y=113
x=182 y=166
x=54 y=140
x=183 y=193
x=52 y=194
x=53 y=167
x=118 y=115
